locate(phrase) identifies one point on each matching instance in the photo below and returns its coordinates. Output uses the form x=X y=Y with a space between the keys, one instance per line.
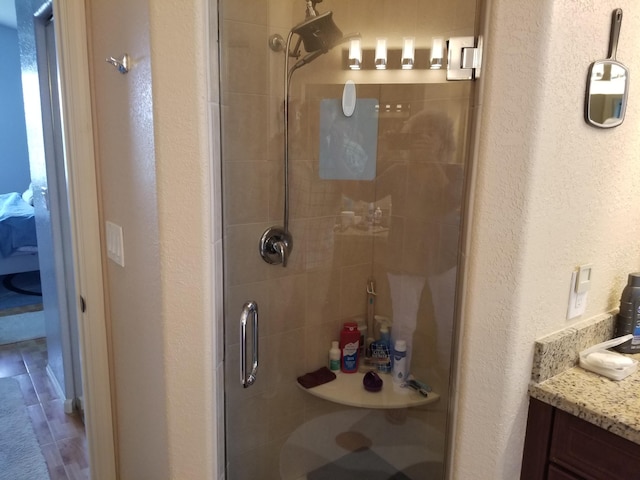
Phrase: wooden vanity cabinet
x=560 y=446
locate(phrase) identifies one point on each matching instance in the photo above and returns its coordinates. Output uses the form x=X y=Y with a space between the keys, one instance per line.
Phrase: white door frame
x=73 y=65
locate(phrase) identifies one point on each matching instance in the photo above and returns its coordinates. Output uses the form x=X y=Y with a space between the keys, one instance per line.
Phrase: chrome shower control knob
x=276 y=246
x=276 y=42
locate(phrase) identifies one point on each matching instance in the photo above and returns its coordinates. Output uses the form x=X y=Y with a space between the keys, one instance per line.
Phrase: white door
x=53 y=228
x=79 y=170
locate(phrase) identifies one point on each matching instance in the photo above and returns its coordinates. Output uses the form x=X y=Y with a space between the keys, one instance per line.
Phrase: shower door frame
x=463 y=243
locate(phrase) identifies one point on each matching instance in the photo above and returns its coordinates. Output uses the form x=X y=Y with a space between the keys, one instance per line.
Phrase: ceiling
x=7 y=13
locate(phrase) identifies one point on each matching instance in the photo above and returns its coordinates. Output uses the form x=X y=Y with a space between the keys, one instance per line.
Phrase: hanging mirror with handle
x=607 y=84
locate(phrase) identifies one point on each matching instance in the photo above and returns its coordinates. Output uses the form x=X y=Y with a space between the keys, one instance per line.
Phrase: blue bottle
x=383 y=350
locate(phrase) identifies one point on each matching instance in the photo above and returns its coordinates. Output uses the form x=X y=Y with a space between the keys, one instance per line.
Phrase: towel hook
x=121 y=65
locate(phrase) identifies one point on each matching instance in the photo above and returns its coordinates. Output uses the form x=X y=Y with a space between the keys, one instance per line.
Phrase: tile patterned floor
x=61 y=436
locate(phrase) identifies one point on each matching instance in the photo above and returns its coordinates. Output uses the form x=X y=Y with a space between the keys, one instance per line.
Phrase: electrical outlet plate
x=577 y=296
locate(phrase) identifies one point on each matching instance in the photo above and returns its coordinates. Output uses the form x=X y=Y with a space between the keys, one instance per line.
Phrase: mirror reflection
x=606 y=94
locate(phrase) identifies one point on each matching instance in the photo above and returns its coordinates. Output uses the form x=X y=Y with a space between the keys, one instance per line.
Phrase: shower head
x=310 y=57
x=318 y=33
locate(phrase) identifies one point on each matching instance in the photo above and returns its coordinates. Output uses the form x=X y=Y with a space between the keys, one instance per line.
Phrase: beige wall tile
x=245 y=66
x=388 y=249
x=243 y=262
x=354 y=247
x=247 y=201
x=318 y=343
x=287 y=303
x=288 y=397
x=353 y=282
x=456 y=15
x=322 y=292
x=243 y=134
x=321 y=244
x=283 y=14
x=249 y=11
x=284 y=352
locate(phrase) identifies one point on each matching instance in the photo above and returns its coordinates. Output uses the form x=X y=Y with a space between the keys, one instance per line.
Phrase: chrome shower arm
x=276 y=243
x=287 y=85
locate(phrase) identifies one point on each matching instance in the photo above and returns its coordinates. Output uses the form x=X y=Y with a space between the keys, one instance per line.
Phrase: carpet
x=21 y=327
x=20 y=454
x=20 y=292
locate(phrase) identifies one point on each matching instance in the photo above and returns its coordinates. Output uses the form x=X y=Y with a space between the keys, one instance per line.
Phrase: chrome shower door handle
x=250 y=309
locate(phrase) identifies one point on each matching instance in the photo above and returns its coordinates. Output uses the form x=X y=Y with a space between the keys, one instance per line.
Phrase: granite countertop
x=558 y=381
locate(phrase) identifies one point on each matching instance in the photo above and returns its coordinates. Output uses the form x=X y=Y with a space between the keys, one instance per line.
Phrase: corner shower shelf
x=347 y=389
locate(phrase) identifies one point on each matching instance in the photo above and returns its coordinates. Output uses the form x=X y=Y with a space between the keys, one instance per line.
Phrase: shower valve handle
x=275 y=246
x=281 y=247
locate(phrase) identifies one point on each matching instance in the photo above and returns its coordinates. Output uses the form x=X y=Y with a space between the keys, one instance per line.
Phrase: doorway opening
x=65 y=192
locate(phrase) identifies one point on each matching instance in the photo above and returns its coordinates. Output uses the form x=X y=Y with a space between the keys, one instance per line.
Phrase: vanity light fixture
x=381 y=54
x=408 y=53
x=355 y=54
x=437 y=53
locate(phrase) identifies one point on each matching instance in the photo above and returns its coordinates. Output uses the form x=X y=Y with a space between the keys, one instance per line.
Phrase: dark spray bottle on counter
x=628 y=320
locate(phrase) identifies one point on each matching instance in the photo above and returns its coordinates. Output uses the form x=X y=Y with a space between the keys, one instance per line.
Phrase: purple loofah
x=372 y=382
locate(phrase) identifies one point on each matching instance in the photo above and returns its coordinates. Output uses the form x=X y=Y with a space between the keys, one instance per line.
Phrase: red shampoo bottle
x=349 y=344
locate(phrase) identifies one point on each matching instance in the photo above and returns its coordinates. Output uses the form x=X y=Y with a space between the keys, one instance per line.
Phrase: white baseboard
x=68 y=402
x=68 y=406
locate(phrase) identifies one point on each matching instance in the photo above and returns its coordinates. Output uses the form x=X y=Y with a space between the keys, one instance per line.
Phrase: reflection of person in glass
x=435 y=184
x=430 y=137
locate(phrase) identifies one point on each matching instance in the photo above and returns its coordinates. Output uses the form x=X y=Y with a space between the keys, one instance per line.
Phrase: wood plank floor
x=61 y=436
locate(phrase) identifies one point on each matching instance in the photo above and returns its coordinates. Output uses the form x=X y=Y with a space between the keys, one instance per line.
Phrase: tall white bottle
x=399 y=369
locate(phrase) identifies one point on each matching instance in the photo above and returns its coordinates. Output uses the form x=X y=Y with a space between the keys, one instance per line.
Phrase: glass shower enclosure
x=343 y=193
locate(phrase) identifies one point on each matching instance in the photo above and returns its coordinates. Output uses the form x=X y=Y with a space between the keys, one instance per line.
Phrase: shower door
x=375 y=202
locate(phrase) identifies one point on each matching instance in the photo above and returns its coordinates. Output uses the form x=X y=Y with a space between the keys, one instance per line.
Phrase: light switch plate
x=115 y=243
x=577 y=300
x=583 y=279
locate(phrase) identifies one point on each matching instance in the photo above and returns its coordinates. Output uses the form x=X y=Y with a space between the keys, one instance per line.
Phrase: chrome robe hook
x=122 y=65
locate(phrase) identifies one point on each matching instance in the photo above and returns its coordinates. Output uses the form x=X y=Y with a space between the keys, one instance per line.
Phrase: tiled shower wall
x=419 y=184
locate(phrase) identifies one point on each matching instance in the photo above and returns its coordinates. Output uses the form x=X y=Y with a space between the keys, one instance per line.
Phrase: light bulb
x=381 y=53
x=355 y=54
x=437 y=53
x=408 y=53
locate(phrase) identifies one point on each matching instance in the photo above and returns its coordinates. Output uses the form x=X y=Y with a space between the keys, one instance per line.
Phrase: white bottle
x=399 y=370
x=334 y=357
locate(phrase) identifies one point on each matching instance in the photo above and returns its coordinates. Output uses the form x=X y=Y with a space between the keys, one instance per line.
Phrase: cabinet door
x=556 y=473
x=536 y=444
x=591 y=451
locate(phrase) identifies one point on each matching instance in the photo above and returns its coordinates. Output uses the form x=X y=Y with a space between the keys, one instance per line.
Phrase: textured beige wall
x=184 y=204
x=551 y=193
x=154 y=176
x=125 y=154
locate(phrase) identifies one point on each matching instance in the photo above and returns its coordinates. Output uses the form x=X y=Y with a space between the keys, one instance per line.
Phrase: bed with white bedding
x=18 y=241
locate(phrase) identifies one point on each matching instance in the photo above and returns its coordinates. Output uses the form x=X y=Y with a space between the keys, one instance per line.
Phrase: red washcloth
x=313 y=379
